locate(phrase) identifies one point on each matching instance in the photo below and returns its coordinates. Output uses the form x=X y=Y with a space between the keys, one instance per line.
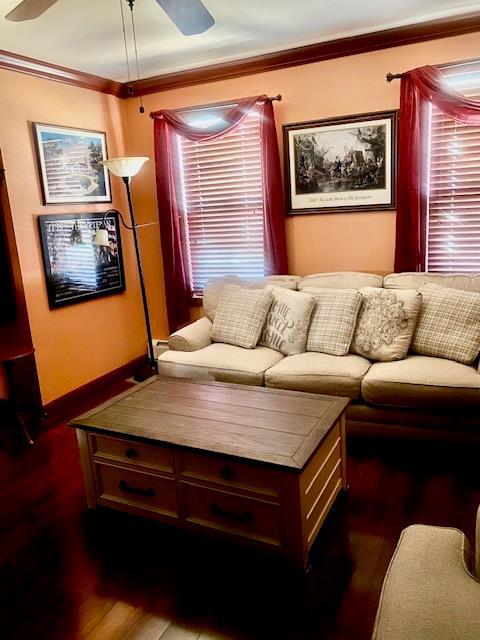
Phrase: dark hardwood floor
x=68 y=574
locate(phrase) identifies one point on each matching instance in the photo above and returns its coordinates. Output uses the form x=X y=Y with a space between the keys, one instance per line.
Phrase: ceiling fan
x=190 y=16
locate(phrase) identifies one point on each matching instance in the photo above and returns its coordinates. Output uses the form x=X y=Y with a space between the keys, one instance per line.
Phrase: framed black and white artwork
x=341 y=164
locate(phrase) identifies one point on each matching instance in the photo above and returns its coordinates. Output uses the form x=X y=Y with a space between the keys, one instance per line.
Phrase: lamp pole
x=125 y=168
x=151 y=355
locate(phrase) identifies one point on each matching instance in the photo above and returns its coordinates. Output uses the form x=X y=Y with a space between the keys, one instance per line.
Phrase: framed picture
x=69 y=165
x=341 y=164
x=76 y=268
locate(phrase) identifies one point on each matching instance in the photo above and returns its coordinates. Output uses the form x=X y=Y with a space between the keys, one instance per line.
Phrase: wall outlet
x=159 y=346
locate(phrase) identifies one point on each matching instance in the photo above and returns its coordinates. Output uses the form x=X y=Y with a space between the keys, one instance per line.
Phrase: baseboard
x=88 y=395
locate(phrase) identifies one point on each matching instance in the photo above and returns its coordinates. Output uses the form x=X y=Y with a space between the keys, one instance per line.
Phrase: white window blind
x=453 y=229
x=222 y=201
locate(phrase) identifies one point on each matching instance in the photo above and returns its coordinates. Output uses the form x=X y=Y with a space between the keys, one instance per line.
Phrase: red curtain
x=274 y=243
x=167 y=125
x=419 y=88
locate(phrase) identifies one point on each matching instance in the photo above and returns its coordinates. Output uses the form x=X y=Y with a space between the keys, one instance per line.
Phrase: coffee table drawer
x=230 y=513
x=140 y=455
x=142 y=490
x=233 y=474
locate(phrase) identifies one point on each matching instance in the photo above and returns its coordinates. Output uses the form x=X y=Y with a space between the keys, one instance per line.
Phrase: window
x=222 y=200
x=453 y=224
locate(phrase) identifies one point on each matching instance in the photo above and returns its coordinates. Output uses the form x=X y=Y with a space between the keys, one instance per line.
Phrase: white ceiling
x=87 y=35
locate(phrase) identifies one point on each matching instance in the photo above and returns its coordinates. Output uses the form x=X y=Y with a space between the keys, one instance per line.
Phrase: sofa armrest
x=428 y=592
x=477 y=546
x=193 y=337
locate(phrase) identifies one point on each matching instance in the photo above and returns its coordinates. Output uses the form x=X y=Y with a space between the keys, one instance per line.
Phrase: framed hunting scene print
x=341 y=164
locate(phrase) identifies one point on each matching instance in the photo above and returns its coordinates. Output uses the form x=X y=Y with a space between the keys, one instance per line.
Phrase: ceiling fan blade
x=190 y=16
x=29 y=9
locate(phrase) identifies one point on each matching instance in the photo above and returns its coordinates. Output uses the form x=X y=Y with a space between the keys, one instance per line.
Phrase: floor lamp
x=126 y=168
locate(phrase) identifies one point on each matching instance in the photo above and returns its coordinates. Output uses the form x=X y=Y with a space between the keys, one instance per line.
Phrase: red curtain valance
x=231 y=119
x=419 y=88
x=431 y=86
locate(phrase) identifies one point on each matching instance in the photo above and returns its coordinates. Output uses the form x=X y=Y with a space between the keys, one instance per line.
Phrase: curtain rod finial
x=392 y=76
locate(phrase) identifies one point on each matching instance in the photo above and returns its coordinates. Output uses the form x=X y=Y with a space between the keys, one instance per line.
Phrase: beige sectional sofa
x=419 y=391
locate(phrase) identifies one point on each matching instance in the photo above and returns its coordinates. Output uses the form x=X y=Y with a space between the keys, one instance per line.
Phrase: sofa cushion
x=240 y=316
x=448 y=324
x=414 y=280
x=341 y=280
x=422 y=381
x=333 y=320
x=319 y=373
x=222 y=362
x=213 y=289
x=386 y=323
x=287 y=321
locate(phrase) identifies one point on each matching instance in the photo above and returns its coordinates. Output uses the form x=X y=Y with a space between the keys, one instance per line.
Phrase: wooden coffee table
x=259 y=465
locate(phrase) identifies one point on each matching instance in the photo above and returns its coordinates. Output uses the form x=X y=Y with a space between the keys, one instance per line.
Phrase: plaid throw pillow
x=333 y=320
x=240 y=316
x=449 y=324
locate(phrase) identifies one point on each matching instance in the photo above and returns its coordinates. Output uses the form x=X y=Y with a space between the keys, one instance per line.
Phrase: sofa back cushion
x=240 y=316
x=413 y=280
x=333 y=320
x=288 y=321
x=448 y=324
x=213 y=289
x=340 y=280
x=386 y=323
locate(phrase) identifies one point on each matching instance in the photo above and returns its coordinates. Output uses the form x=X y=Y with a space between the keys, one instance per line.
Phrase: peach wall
x=78 y=343
x=354 y=84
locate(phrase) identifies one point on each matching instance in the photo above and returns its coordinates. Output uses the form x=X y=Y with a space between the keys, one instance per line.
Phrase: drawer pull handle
x=226 y=473
x=246 y=517
x=131 y=453
x=148 y=493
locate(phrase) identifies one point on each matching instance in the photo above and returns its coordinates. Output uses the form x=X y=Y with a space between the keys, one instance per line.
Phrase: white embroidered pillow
x=288 y=320
x=448 y=324
x=333 y=320
x=240 y=316
x=386 y=323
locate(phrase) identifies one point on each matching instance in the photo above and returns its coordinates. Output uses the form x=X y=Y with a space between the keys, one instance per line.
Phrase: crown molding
x=398 y=36
x=48 y=71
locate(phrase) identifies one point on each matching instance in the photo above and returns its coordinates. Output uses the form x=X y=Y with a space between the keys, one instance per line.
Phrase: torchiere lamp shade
x=125 y=167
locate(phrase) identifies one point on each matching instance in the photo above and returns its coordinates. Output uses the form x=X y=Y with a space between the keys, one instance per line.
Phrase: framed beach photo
x=341 y=164
x=77 y=269
x=69 y=164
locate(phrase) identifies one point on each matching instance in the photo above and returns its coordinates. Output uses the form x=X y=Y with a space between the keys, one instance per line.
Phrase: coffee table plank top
x=272 y=426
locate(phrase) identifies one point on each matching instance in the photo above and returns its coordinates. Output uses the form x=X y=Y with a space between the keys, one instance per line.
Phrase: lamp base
x=147 y=370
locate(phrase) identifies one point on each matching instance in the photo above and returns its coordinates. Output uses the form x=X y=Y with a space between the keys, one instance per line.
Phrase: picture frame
x=69 y=164
x=343 y=164
x=76 y=269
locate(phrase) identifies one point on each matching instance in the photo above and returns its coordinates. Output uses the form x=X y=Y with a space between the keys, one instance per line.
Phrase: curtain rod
x=445 y=65
x=218 y=105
